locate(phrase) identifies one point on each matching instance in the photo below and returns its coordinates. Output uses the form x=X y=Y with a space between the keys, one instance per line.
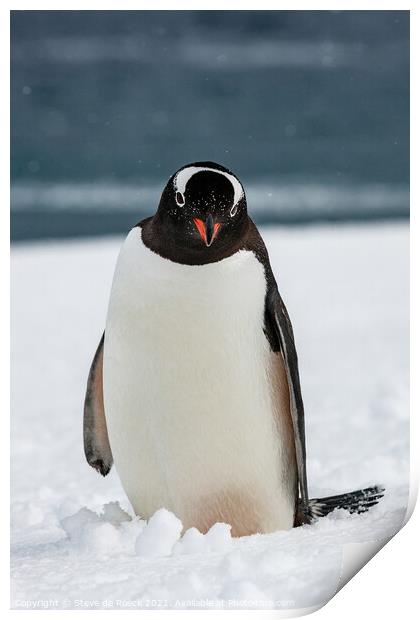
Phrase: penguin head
x=202 y=211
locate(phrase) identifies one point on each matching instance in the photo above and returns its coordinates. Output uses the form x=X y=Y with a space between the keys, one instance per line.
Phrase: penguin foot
x=354 y=502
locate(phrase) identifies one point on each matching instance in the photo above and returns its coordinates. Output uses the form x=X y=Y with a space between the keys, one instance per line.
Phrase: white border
x=386 y=585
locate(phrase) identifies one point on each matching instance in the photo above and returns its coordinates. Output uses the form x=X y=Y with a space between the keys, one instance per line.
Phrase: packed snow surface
x=75 y=540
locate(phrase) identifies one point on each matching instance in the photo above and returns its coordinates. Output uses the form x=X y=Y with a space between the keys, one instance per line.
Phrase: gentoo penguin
x=194 y=390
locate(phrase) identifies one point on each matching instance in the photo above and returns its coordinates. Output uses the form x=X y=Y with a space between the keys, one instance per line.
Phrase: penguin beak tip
x=208 y=230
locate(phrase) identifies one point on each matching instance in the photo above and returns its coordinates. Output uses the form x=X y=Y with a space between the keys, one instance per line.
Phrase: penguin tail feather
x=354 y=502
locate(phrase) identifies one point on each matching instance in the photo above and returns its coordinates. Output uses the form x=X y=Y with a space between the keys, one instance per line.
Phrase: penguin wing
x=95 y=434
x=280 y=321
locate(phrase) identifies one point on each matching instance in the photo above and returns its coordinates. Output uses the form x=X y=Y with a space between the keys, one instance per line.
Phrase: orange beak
x=208 y=230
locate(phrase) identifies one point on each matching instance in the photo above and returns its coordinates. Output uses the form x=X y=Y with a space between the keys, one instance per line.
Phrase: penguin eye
x=179 y=199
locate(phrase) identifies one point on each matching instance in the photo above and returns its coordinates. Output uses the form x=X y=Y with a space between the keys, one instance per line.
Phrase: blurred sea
x=309 y=108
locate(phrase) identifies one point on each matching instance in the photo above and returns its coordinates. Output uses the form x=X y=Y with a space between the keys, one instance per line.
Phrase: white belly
x=195 y=401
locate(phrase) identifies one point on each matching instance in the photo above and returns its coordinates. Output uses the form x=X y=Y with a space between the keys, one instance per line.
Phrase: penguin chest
x=195 y=401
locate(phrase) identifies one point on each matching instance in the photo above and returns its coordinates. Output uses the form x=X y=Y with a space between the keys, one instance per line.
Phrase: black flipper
x=354 y=502
x=280 y=320
x=279 y=332
x=95 y=434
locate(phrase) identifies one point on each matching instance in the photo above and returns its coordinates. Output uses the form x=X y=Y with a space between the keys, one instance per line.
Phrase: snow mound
x=217 y=539
x=113 y=531
x=107 y=533
x=159 y=535
x=162 y=537
x=193 y=541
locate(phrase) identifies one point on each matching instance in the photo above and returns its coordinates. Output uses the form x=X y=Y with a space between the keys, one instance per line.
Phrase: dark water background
x=309 y=108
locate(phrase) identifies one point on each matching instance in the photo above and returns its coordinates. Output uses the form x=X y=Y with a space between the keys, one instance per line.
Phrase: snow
x=159 y=535
x=75 y=540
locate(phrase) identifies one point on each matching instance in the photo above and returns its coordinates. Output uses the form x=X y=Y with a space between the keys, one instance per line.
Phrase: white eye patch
x=183 y=176
x=180 y=199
